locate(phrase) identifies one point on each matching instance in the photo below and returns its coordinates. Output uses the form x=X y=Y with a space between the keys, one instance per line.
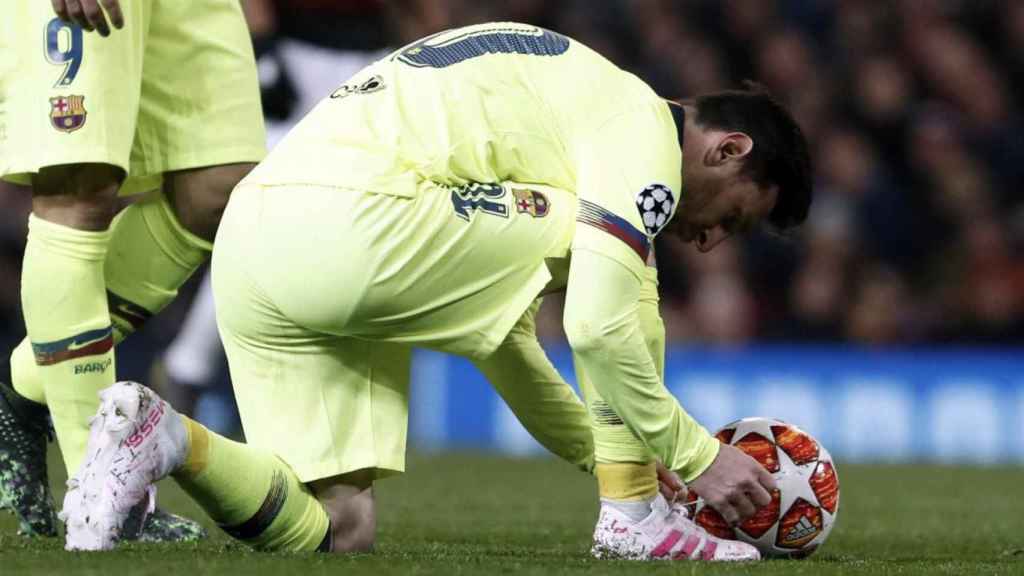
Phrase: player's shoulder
x=639 y=119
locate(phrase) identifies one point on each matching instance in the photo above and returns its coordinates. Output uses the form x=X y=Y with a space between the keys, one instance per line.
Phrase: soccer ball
x=803 y=509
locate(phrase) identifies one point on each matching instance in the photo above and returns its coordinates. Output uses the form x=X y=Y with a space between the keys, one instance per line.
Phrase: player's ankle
x=628 y=481
x=197 y=449
x=628 y=487
x=635 y=510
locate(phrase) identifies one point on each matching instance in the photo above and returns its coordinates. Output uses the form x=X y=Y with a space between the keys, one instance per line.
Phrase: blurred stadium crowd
x=913 y=109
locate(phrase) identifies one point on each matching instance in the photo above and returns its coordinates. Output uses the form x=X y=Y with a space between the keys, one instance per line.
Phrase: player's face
x=719 y=200
x=713 y=217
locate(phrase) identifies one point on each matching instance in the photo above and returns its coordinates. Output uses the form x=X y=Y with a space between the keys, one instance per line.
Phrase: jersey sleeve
x=628 y=184
x=628 y=180
x=606 y=334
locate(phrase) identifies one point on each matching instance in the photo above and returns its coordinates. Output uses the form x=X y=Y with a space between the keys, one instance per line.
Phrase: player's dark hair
x=779 y=156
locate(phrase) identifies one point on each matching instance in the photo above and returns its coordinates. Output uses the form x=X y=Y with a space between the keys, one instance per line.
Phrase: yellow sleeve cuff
x=702 y=459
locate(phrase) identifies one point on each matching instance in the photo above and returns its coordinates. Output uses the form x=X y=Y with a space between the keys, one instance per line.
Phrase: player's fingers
x=60 y=10
x=94 y=14
x=667 y=491
x=766 y=479
x=113 y=8
x=728 y=512
x=669 y=477
x=758 y=494
x=76 y=15
x=744 y=507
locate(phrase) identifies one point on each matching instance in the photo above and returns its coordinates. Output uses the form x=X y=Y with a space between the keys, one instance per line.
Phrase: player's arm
x=649 y=316
x=622 y=165
x=629 y=172
x=89 y=14
x=544 y=403
x=602 y=321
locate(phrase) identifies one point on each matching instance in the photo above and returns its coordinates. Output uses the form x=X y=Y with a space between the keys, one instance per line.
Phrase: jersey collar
x=679 y=117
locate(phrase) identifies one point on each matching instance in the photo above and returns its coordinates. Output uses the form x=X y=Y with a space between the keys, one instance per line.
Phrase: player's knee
x=200 y=196
x=82 y=196
x=349 y=502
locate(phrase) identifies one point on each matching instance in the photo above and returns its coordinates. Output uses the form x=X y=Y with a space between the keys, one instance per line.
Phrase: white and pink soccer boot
x=667 y=533
x=135 y=439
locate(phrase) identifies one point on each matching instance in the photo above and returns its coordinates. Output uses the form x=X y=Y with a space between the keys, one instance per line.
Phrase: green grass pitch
x=476 y=514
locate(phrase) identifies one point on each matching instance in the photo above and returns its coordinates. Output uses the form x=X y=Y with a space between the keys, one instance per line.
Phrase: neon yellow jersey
x=494 y=103
x=473 y=110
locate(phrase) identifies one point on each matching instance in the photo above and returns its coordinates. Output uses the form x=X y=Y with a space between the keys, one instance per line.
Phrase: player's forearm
x=606 y=335
x=544 y=403
x=631 y=387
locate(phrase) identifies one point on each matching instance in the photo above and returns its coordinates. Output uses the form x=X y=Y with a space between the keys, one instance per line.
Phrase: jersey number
x=482 y=197
x=70 y=55
x=536 y=42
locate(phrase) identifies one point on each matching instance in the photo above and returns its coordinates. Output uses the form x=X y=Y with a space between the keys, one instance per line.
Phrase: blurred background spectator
x=912 y=108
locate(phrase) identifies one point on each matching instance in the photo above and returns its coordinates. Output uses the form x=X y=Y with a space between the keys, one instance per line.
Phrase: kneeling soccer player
x=430 y=202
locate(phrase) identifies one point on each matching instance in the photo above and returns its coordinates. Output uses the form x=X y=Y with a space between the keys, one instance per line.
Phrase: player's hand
x=735 y=485
x=89 y=15
x=670 y=485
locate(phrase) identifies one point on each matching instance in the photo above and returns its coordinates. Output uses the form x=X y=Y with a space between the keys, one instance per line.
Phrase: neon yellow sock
x=627 y=481
x=149 y=256
x=65 y=305
x=252 y=494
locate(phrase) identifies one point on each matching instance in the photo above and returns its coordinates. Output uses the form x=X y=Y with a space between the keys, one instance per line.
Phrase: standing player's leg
x=66 y=317
x=75 y=155
x=64 y=294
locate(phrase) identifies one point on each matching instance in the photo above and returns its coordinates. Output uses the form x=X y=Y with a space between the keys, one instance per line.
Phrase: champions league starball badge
x=655 y=203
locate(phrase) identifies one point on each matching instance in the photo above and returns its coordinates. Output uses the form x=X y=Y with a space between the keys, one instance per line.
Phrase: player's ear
x=732 y=146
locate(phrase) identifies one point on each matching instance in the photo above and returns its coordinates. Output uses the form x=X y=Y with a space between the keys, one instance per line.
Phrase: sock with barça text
x=64 y=301
x=149 y=256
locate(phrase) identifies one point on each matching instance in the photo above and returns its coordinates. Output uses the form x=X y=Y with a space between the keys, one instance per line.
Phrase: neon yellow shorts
x=321 y=292
x=326 y=404
x=174 y=89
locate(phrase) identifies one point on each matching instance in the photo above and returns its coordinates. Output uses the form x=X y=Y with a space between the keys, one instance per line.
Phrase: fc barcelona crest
x=531 y=202
x=67 y=113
